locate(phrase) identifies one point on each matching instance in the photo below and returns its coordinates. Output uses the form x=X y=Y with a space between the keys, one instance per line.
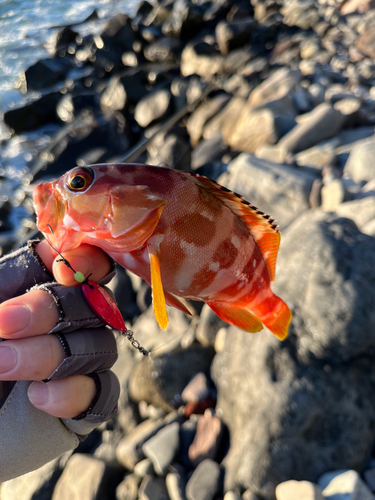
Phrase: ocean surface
x=25 y=26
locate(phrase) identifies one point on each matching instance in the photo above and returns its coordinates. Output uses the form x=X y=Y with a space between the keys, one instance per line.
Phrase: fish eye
x=80 y=179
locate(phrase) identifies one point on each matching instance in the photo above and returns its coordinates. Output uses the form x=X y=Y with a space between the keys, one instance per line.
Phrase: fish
x=186 y=235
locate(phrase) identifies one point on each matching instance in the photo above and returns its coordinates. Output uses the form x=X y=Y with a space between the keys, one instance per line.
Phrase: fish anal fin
x=176 y=302
x=261 y=226
x=158 y=297
x=237 y=315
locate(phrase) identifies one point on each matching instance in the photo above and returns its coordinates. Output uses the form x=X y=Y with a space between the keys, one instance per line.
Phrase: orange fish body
x=183 y=233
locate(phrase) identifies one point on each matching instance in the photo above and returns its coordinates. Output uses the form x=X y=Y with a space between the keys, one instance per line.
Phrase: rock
x=324 y=122
x=176 y=483
x=201 y=59
x=204 y=482
x=198 y=119
x=36 y=485
x=230 y=495
x=360 y=211
x=349 y=108
x=369 y=477
x=225 y=120
x=162 y=448
x=86 y=478
x=47 y=72
x=61 y=40
x=276 y=117
x=162 y=381
x=165 y=50
x=360 y=166
x=235 y=34
x=129 y=450
x=70 y=105
x=344 y=485
x=303 y=490
x=249 y=495
x=303 y=15
x=207 y=439
x=262 y=182
x=319 y=156
x=333 y=194
x=114 y=96
x=33 y=115
x=170 y=149
x=153 y=488
x=185 y=22
x=197 y=389
x=208 y=326
x=208 y=151
x=325 y=281
x=278 y=85
x=199 y=407
x=152 y=107
x=220 y=340
x=144 y=467
x=315 y=198
x=274 y=153
x=128 y=488
x=366 y=42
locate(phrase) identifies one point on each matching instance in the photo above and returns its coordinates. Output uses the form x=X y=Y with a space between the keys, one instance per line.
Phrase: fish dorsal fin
x=261 y=226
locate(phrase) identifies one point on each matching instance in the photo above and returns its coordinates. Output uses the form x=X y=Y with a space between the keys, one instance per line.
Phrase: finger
x=87 y=259
x=30 y=358
x=34 y=313
x=64 y=398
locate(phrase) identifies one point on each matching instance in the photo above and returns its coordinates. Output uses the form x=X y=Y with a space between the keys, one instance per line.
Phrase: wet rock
x=335 y=420
x=152 y=107
x=323 y=123
x=235 y=34
x=197 y=389
x=162 y=448
x=204 y=112
x=360 y=165
x=47 y=72
x=207 y=439
x=165 y=50
x=161 y=382
x=81 y=471
x=208 y=151
x=344 y=485
x=204 y=482
x=33 y=115
x=128 y=488
x=303 y=490
x=262 y=182
x=153 y=488
x=201 y=59
x=176 y=483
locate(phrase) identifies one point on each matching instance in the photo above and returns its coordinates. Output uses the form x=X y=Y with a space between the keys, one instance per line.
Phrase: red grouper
x=183 y=233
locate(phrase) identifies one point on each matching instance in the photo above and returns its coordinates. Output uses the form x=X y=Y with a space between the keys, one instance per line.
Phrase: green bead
x=79 y=277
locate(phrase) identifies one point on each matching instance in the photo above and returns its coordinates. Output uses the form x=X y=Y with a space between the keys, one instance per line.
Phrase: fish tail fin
x=275 y=315
x=237 y=315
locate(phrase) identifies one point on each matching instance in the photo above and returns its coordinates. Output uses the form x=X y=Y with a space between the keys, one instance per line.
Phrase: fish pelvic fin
x=176 y=302
x=237 y=315
x=262 y=227
x=158 y=297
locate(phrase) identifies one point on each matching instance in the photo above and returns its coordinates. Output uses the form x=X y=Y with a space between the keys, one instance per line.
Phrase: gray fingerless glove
x=29 y=437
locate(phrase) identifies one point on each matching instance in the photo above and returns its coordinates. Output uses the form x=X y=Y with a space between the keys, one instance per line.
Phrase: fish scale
x=183 y=233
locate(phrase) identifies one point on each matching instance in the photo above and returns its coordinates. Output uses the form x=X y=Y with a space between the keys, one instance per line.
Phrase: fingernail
x=38 y=393
x=8 y=359
x=14 y=319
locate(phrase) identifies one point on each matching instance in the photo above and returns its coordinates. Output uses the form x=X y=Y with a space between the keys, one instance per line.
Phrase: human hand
x=31 y=354
x=75 y=357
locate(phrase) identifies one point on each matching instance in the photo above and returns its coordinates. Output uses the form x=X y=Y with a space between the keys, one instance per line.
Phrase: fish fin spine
x=176 y=302
x=261 y=226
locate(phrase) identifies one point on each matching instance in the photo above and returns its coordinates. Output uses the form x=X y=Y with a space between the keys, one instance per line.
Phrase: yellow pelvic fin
x=158 y=298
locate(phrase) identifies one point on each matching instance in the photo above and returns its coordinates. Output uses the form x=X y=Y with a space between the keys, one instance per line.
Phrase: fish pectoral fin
x=158 y=297
x=237 y=315
x=176 y=302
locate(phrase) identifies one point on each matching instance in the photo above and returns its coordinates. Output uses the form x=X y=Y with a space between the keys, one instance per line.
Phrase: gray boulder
x=298 y=409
